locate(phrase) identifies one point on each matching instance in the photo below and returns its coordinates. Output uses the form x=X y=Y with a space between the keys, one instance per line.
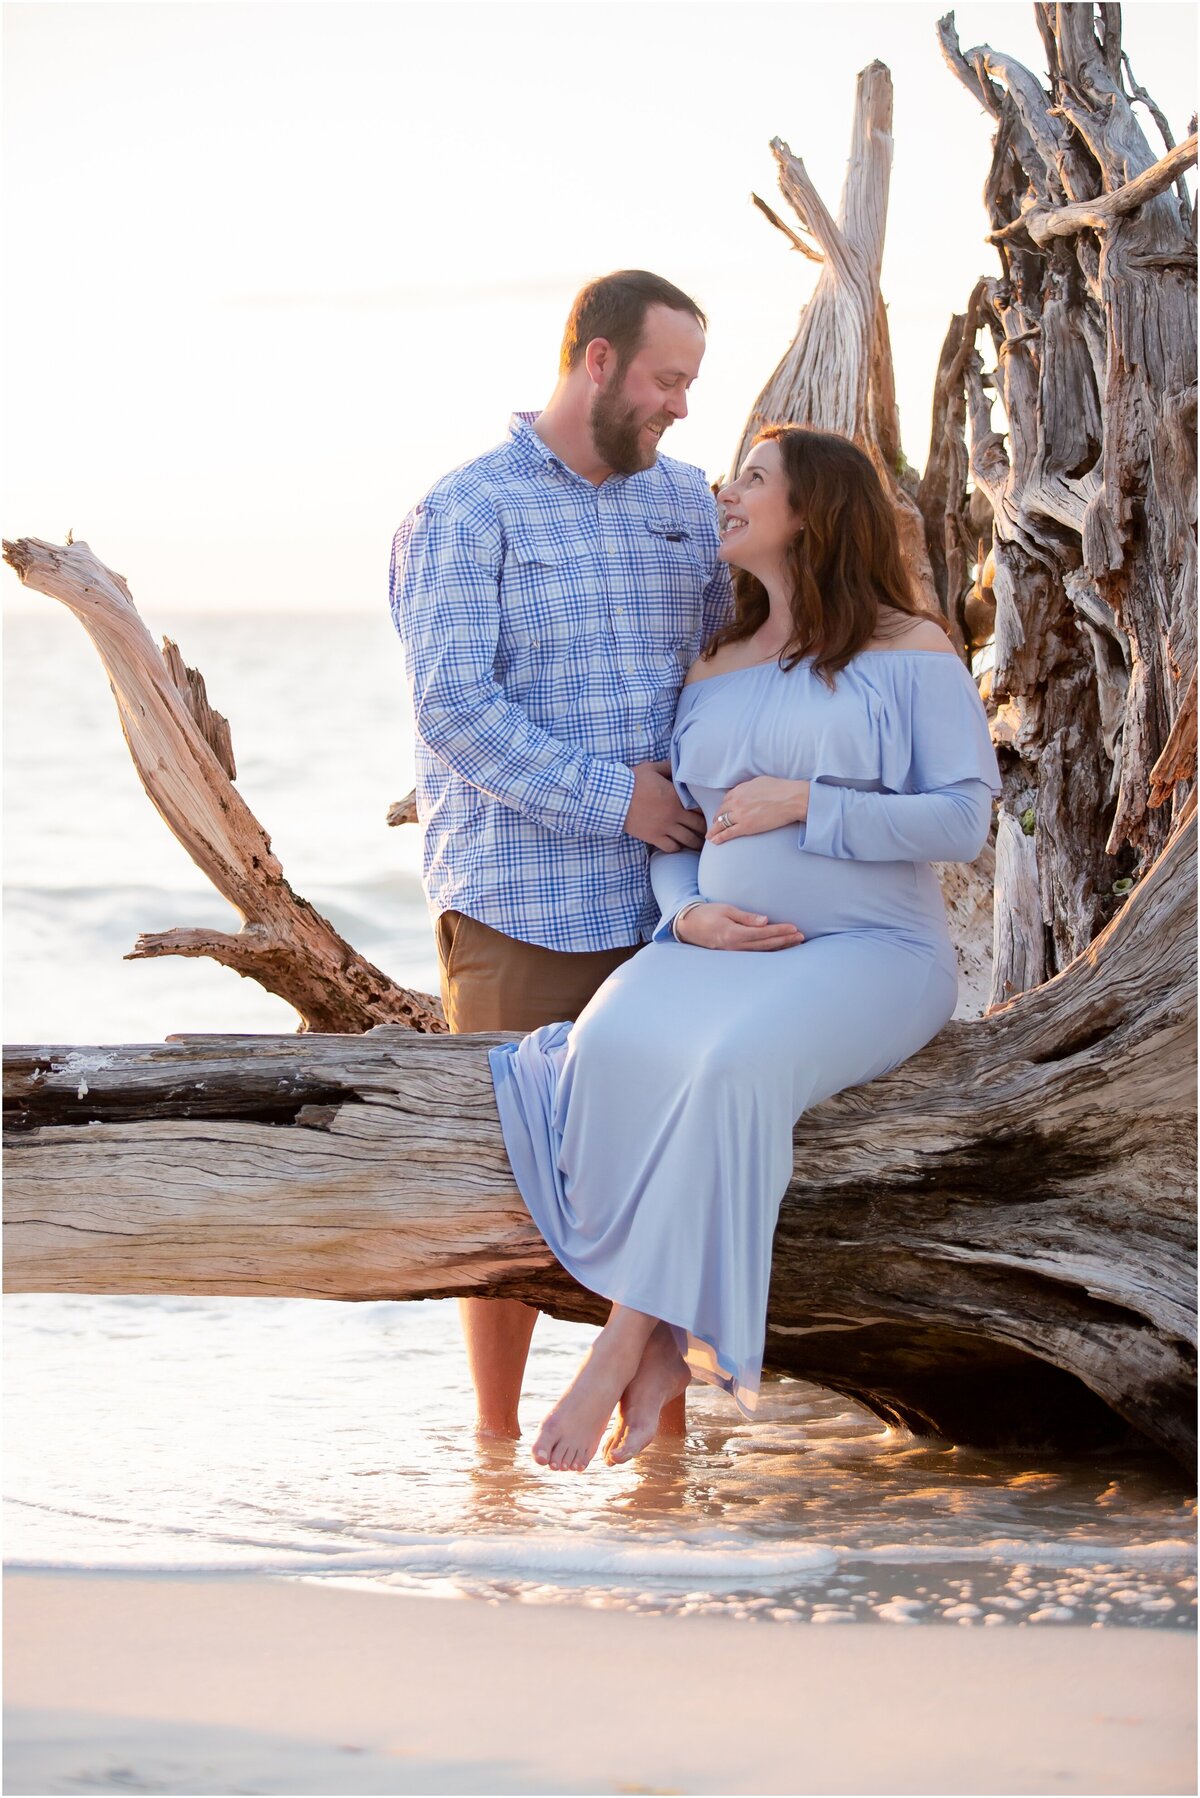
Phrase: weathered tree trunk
x=1086 y=557
x=184 y=758
x=972 y=1245
x=837 y=375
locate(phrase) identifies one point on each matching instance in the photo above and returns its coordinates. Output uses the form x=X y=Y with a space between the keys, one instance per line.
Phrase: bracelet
x=682 y=913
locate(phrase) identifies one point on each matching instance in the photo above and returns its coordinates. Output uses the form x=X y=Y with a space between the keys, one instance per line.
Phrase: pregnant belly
x=821 y=894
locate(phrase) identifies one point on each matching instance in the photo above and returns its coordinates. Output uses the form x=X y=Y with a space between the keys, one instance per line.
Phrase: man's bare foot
x=571 y=1433
x=661 y=1376
x=490 y=1431
x=672 y=1419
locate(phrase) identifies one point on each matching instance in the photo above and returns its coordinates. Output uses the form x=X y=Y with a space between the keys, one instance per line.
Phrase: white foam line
x=583 y=1558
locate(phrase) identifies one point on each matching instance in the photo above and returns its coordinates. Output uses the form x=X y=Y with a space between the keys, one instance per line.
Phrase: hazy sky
x=272 y=268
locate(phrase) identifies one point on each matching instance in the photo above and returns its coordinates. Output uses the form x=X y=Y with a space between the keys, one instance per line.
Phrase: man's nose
x=677 y=405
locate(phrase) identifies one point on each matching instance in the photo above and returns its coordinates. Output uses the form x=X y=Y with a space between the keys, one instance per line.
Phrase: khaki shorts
x=493 y=982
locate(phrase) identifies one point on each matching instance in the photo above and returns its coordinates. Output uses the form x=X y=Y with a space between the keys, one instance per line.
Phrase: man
x=550 y=596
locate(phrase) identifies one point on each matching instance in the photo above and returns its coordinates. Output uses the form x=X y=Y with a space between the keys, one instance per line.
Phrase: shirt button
x=613 y=550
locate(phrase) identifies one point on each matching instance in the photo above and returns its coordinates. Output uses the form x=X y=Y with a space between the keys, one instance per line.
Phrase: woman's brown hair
x=845 y=562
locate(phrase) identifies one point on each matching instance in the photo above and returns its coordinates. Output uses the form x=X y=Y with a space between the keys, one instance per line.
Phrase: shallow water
x=332 y=1442
x=329 y=1442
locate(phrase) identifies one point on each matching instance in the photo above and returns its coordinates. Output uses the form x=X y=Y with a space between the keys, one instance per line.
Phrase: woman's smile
x=756 y=513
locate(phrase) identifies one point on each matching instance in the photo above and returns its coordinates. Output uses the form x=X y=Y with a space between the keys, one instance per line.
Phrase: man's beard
x=616 y=433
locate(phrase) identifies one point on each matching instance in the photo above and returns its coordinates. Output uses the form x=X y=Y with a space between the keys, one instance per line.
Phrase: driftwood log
x=992 y=1243
x=996 y=1241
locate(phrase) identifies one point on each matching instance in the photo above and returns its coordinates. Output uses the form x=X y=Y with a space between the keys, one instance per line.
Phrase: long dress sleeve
x=950 y=825
x=673 y=875
x=938 y=770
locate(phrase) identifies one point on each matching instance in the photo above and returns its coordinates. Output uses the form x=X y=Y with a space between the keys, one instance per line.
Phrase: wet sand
x=206 y=1685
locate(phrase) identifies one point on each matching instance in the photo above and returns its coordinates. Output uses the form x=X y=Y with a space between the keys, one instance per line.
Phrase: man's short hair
x=614 y=307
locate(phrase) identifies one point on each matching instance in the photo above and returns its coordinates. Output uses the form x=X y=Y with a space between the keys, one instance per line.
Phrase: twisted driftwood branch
x=182 y=751
x=1044 y=223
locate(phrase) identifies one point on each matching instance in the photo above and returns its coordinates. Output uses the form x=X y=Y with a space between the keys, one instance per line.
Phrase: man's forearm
x=495 y=747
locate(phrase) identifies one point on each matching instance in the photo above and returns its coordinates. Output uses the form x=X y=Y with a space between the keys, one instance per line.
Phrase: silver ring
x=724 y=820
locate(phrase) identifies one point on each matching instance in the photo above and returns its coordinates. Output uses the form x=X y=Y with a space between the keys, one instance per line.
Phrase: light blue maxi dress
x=652 y=1139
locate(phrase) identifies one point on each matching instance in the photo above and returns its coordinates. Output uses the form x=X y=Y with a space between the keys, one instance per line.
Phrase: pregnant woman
x=836 y=745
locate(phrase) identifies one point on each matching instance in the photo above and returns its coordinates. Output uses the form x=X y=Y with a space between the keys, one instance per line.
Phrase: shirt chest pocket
x=543 y=586
x=677 y=566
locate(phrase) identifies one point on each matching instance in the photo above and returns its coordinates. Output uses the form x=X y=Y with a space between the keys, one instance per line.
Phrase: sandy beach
x=208 y=1685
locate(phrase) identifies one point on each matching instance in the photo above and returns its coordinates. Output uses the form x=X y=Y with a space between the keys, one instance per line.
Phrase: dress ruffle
x=918 y=725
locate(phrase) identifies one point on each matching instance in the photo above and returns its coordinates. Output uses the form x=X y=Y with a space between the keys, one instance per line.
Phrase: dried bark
x=1089 y=553
x=994 y=1242
x=183 y=754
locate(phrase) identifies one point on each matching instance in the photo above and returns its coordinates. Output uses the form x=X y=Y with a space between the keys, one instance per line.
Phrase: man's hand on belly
x=655 y=815
x=763 y=803
x=716 y=926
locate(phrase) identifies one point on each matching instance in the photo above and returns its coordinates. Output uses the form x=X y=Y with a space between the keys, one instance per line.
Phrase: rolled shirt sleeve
x=445 y=602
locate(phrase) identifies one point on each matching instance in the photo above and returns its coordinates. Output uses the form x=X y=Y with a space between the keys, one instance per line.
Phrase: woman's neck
x=778 y=627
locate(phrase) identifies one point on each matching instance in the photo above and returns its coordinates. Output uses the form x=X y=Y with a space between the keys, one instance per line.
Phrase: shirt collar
x=537 y=454
x=529 y=445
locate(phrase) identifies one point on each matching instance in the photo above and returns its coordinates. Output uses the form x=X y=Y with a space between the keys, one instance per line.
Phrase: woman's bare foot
x=661 y=1376
x=571 y=1433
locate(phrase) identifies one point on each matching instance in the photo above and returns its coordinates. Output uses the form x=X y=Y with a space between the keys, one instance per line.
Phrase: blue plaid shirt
x=547 y=625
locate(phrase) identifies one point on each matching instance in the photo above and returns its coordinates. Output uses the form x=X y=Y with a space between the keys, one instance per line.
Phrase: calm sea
x=331 y=1442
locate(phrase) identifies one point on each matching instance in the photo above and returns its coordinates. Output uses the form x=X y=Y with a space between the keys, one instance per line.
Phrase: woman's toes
x=546 y=1442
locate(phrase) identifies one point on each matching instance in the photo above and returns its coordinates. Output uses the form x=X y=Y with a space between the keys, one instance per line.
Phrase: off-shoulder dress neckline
x=941 y=655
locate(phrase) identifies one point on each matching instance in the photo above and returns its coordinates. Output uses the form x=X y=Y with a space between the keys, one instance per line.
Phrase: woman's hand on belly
x=753 y=806
x=715 y=926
